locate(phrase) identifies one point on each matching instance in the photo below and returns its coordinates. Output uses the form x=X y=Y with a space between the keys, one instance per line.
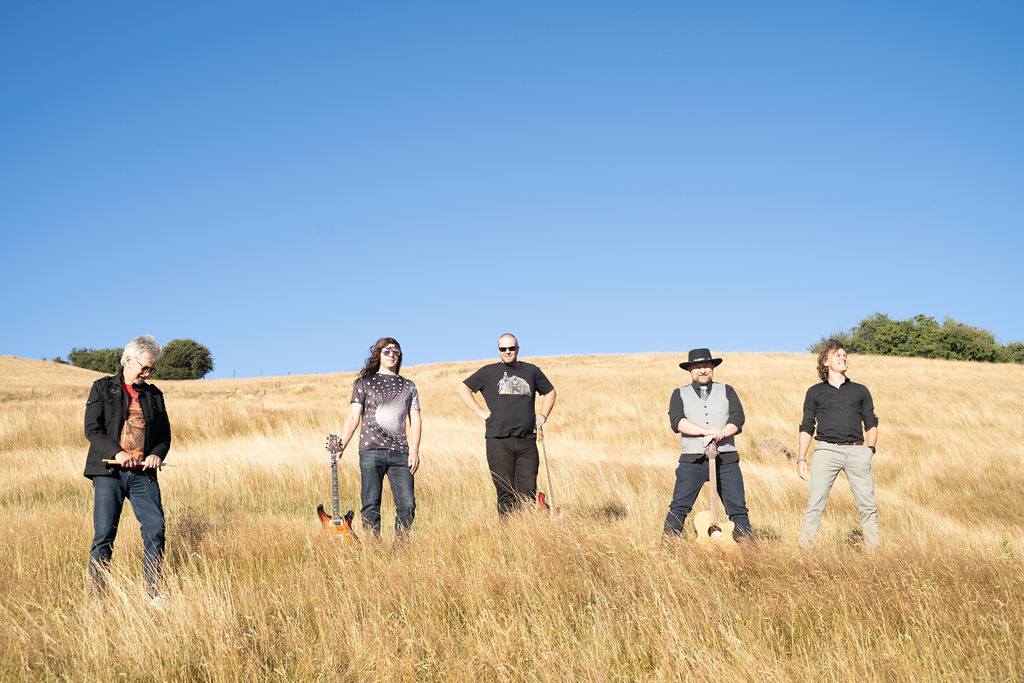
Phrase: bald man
x=509 y=388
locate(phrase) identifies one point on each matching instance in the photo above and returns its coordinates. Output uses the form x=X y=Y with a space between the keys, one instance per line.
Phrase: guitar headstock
x=333 y=444
x=711 y=450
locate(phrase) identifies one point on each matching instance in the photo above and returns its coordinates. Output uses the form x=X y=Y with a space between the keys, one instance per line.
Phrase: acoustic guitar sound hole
x=714 y=530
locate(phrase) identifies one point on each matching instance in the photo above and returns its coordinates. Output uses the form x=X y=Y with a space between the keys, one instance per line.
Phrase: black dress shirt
x=838 y=411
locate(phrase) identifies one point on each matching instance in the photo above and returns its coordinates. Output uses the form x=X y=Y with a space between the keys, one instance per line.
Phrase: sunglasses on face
x=503 y=349
x=143 y=368
x=391 y=352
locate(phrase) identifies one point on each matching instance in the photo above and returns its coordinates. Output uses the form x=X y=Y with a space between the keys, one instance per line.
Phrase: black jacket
x=105 y=413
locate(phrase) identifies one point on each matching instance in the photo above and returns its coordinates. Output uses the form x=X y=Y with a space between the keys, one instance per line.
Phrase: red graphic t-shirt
x=133 y=432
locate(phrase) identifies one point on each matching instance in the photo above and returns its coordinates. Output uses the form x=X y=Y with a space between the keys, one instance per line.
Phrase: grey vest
x=712 y=413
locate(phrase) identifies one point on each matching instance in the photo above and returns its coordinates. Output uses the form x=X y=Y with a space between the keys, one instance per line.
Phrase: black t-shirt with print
x=509 y=391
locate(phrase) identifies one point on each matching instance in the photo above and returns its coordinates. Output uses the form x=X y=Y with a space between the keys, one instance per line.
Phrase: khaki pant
x=828 y=460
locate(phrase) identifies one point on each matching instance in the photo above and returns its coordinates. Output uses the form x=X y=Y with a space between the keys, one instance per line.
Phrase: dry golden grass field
x=256 y=592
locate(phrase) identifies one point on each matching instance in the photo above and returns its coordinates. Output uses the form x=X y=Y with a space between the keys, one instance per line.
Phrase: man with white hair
x=126 y=423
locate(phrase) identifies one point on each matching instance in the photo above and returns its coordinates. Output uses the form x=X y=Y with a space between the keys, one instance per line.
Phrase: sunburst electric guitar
x=710 y=529
x=340 y=528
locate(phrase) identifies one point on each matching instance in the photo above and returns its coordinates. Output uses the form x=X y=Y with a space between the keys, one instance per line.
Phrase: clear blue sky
x=285 y=183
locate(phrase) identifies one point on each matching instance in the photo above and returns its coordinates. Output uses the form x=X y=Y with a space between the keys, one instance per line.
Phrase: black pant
x=513 y=462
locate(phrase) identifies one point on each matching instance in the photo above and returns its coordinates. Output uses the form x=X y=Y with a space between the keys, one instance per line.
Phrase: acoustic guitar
x=710 y=529
x=339 y=528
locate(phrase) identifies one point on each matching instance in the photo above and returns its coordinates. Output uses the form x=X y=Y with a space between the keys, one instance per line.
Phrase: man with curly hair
x=838 y=408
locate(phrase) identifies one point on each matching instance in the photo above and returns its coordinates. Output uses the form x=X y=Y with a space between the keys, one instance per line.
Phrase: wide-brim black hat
x=700 y=356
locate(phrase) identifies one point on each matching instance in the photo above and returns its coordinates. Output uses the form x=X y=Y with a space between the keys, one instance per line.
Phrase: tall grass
x=255 y=591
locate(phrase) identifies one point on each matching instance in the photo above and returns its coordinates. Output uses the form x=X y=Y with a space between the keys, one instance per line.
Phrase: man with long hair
x=389 y=441
x=509 y=388
x=839 y=408
x=129 y=437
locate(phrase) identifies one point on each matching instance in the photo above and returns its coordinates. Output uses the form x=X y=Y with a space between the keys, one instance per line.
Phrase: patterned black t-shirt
x=509 y=392
x=387 y=401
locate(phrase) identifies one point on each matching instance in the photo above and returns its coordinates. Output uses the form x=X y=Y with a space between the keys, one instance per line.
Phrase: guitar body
x=339 y=529
x=555 y=513
x=712 y=530
x=711 y=533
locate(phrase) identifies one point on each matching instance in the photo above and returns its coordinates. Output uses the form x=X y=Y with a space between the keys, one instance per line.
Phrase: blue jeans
x=109 y=493
x=373 y=466
x=690 y=477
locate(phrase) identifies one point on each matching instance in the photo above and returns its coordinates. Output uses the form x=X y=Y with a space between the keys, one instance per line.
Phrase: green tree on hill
x=79 y=357
x=179 y=359
x=107 y=361
x=963 y=342
x=923 y=337
x=183 y=359
x=1015 y=352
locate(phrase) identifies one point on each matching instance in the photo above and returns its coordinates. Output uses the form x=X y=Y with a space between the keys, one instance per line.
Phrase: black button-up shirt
x=838 y=411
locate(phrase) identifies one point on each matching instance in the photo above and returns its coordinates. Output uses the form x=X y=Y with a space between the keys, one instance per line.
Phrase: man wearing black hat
x=701 y=412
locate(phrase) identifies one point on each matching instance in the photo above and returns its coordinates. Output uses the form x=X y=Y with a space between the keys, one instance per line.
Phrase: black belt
x=859 y=442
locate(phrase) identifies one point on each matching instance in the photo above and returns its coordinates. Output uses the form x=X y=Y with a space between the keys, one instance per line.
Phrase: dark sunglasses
x=391 y=352
x=144 y=368
x=503 y=349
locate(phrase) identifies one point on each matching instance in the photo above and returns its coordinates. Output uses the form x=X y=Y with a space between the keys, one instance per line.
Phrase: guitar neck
x=713 y=490
x=335 y=502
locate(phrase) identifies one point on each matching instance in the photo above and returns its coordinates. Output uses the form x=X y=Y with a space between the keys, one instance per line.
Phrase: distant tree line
x=179 y=359
x=922 y=336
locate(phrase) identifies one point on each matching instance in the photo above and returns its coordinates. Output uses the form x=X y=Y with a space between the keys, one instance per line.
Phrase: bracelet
x=801 y=460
